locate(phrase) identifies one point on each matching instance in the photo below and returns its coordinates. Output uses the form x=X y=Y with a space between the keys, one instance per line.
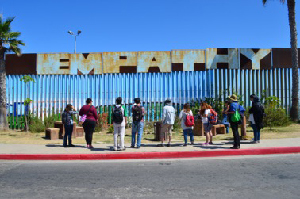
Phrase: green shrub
x=50 y=120
x=36 y=125
x=275 y=116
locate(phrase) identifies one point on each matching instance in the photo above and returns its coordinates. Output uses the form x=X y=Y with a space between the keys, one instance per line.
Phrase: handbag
x=84 y=116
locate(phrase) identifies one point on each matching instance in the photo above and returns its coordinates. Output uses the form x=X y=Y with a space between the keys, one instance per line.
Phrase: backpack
x=189 y=122
x=213 y=118
x=118 y=115
x=137 y=113
x=236 y=117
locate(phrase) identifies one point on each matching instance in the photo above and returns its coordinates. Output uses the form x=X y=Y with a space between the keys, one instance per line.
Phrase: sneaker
x=71 y=145
x=138 y=147
x=115 y=149
x=168 y=145
x=258 y=141
x=131 y=146
x=123 y=149
x=192 y=143
x=184 y=145
x=235 y=147
x=211 y=143
x=88 y=146
x=65 y=146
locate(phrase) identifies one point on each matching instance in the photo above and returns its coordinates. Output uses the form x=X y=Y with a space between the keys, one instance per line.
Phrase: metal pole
x=75 y=45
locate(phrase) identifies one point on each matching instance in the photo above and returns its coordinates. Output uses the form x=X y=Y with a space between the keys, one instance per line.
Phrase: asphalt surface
x=276 y=176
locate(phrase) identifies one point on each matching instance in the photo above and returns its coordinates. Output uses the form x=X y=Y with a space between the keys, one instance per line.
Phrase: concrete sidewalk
x=176 y=147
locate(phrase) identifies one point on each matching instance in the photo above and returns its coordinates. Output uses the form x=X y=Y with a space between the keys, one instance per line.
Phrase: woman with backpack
x=256 y=117
x=67 y=121
x=187 y=123
x=205 y=113
x=89 y=119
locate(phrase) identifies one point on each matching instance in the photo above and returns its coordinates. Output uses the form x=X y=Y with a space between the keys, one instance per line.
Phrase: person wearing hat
x=233 y=107
x=168 y=119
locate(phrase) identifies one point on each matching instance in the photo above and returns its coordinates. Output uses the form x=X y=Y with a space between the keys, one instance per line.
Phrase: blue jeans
x=137 y=128
x=227 y=128
x=256 y=132
x=185 y=134
x=68 y=134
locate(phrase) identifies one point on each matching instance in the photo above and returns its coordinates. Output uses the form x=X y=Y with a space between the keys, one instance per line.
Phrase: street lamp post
x=71 y=33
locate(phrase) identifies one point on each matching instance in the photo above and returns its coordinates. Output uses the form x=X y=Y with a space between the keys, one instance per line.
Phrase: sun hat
x=233 y=97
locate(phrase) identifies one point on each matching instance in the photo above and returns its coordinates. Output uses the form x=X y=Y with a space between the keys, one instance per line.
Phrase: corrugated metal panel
x=51 y=93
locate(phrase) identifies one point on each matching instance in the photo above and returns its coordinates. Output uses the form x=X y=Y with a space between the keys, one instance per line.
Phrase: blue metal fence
x=51 y=93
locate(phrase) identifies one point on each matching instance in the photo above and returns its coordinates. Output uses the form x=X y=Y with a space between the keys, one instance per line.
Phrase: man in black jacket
x=256 y=114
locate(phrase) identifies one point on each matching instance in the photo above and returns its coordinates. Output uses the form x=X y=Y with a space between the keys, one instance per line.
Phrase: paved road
x=236 y=177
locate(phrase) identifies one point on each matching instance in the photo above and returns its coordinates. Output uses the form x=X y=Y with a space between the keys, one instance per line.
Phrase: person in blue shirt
x=233 y=107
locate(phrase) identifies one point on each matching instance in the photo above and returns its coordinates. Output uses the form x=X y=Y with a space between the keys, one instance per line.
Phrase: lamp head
x=79 y=31
x=70 y=32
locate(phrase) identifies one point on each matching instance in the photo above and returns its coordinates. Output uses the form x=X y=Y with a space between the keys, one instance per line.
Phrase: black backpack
x=137 y=113
x=118 y=115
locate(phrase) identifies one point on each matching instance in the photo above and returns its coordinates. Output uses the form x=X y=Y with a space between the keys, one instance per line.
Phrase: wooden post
x=243 y=129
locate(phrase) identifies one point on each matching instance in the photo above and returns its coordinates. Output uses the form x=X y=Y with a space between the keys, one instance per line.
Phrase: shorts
x=166 y=129
x=207 y=127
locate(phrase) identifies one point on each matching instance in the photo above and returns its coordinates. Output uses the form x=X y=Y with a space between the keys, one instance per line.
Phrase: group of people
x=232 y=116
x=256 y=114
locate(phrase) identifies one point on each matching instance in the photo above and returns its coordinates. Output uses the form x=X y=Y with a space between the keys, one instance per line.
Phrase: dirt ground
x=15 y=137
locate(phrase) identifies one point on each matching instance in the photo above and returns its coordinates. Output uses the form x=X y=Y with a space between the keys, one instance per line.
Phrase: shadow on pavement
x=212 y=147
x=59 y=145
x=242 y=142
x=100 y=149
x=165 y=145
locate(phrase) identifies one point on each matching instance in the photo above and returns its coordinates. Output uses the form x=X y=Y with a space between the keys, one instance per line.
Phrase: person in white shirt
x=205 y=113
x=186 y=129
x=168 y=119
x=119 y=122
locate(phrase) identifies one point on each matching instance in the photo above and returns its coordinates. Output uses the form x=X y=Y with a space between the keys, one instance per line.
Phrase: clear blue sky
x=144 y=25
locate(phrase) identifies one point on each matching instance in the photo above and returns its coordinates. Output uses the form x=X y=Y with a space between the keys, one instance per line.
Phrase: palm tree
x=294 y=49
x=8 y=43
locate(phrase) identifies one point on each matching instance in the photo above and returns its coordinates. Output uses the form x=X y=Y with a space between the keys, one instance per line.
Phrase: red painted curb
x=152 y=155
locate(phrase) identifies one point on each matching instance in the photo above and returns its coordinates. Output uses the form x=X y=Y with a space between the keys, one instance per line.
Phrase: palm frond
x=5 y=26
x=9 y=36
x=16 y=42
x=9 y=40
x=265 y=1
x=14 y=35
x=14 y=49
